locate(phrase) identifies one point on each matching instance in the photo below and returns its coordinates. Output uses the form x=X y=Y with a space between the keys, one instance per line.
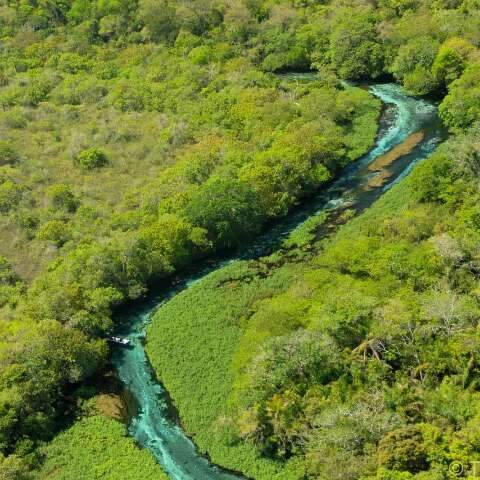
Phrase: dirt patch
x=379 y=180
x=112 y=406
x=403 y=148
x=381 y=163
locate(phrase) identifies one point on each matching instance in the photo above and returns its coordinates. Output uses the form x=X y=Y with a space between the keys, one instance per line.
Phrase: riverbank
x=375 y=272
x=190 y=356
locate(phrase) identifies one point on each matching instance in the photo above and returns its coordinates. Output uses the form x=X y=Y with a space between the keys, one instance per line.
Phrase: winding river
x=409 y=131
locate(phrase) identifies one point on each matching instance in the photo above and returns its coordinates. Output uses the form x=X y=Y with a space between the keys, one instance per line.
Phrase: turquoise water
x=156 y=426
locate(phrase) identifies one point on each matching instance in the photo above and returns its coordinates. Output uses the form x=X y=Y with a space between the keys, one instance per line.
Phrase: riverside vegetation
x=137 y=137
x=355 y=357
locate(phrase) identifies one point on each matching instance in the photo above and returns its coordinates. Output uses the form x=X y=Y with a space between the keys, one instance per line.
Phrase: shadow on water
x=409 y=131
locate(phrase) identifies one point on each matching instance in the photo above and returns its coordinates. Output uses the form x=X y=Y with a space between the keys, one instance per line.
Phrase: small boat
x=124 y=342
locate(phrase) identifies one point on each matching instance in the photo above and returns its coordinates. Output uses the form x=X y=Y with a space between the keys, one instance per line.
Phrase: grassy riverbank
x=375 y=334
x=97 y=447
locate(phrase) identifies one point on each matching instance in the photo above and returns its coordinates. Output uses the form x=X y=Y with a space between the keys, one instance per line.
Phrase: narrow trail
x=410 y=130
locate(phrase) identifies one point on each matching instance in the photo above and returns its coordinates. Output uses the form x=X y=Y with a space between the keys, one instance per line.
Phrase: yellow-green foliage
x=126 y=125
x=125 y=161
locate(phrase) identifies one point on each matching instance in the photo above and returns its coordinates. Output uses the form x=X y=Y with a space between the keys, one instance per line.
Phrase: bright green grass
x=98 y=448
x=192 y=344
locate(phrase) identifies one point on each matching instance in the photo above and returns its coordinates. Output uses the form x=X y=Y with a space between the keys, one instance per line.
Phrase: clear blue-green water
x=155 y=426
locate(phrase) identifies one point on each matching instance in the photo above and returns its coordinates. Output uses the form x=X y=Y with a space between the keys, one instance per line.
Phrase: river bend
x=409 y=131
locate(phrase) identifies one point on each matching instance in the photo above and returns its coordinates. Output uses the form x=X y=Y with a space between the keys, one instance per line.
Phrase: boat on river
x=123 y=342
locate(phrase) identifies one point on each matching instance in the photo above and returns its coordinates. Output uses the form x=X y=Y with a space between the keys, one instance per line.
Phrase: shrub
x=62 y=197
x=28 y=221
x=200 y=55
x=91 y=158
x=10 y=195
x=75 y=90
x=16 y=119
x=73 y=63
x=8 y=155
x=7 y=274
x=4 y=78
x=36 y=91
x=54 y=231
x=131 y=96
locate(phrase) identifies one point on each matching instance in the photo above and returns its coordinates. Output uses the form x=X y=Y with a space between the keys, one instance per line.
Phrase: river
x=409 y=131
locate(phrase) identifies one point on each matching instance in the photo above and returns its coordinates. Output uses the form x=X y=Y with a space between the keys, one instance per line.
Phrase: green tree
x=227 y=209
x=354 y=49
x=461 y=107
x=451 y=60
x=54 y=231
x=91 y=158
x=62 y=197
x=10 y=195
x=420 y=81
x=159 y=19
x=413 y=62
x=403 y=449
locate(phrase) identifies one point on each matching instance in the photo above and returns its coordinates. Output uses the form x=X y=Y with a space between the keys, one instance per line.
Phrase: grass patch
x=97 y=448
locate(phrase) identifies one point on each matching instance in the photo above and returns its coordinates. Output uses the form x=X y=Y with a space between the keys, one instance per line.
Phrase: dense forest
x=355 y=357
x=137 y=137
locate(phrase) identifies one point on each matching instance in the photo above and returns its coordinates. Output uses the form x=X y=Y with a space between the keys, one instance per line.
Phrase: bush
x=7 y=274
x=36 y=91
x=15 y=119
x=27 y=220
x=91 y=158
x=54 y=231
x=4 y=78
x=131 y=96
x=10 y=195
x=8 y=154
x=76 y=89
x=62 y=197
x=73 y=63
x=200 y=55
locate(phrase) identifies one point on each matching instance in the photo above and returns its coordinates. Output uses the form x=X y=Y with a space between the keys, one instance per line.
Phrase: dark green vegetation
x=357 y=360
x=121 y=122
